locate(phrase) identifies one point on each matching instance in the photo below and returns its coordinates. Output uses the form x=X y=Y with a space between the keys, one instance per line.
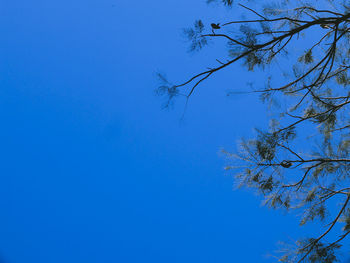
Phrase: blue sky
x=92 y=170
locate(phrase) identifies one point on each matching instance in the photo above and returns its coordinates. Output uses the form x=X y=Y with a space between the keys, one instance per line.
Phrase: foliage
x=288 y=168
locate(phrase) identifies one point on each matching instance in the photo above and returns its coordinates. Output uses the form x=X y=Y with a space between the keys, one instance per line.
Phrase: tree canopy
x=302 y=161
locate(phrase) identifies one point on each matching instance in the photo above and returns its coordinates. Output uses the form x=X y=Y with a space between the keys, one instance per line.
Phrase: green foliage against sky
x=302 y=161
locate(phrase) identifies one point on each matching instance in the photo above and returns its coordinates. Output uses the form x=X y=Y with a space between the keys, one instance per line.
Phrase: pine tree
x=291 y=171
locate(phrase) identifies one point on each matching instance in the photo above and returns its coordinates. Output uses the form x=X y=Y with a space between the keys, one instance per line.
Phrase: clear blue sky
x=92 y=170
